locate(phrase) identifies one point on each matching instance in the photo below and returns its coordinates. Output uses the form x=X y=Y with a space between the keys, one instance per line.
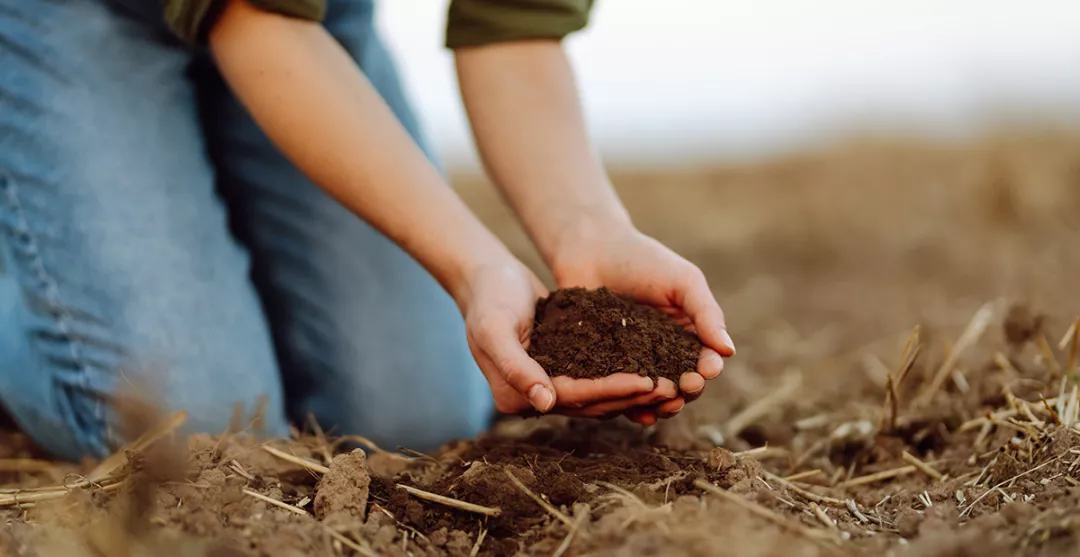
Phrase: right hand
x=499 y=305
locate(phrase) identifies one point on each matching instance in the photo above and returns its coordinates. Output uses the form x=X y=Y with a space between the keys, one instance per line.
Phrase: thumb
x=700 y=304
x=519 y=371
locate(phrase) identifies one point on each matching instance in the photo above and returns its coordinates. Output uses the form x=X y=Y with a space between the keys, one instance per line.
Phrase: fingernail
x=726 y=339
x=646 y=384
x=541 y=399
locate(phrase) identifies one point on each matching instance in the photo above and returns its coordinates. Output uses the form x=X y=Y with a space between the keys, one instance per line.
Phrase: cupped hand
x=631 y=263
x=499 y=305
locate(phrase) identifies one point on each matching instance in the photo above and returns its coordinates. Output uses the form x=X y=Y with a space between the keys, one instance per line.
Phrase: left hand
x=631 y=263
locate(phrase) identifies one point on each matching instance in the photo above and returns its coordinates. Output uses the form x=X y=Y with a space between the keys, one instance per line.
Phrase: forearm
x=313 y=102
x=526 y=116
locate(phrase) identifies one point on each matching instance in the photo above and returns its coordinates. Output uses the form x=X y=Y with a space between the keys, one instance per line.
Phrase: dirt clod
x=342 y=494
x=594 y=333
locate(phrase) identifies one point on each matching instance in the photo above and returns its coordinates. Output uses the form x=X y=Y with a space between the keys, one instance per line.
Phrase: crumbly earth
x=594 y=333
x=837 y=430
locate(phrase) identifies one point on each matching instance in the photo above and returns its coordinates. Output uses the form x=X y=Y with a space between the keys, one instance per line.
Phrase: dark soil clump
x=594 y=333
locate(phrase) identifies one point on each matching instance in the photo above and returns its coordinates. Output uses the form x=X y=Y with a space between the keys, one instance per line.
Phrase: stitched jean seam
x=26 y=247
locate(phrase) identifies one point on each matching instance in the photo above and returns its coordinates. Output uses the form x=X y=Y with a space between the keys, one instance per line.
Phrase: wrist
x=583 y=241
x=483 y=257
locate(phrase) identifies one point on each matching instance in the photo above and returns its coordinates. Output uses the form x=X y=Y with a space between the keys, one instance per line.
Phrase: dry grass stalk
x=1012 y=479
x=399 y=523
x=479 y=542
x=854 y=509
x=299 y=461
x=807 y=494
x=582 y=515
x=879 y=476
x=275 y=502
x=824 y=518
x=802 y=475
x=320 y=436
x=50 y=494
x=1068 y=336
x=449 y=502
x=762 y=453
x=760 y=408
x=119 y=459
x=922 y=466
x=625 y=493
x=978 y=324
x=890 y=408
x=1002 y=361
x=1048 y=355
x=1070 y=364
x=359 y=439
x=1072 y=409
x=1054 y=417
x=344 y=540
x=236 y=467
x=762 y=512
x=559 y=515
x=895 y=378
x=912 y=349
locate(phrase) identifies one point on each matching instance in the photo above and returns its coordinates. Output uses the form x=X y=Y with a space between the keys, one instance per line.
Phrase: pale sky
x=707 y=80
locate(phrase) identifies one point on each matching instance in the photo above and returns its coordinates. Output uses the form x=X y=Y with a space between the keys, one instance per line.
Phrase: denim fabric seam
x=29 y=251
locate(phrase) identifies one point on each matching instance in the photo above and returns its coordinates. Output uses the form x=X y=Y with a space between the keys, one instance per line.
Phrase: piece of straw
x=479 y=541
x=450 y=502
x=802 y=475
x=578 y=521
x=540 y=501
x=762 y=512
x=18 y=498
x=299 y=461
x=275 y=502
x=824 y=518
x=119 y=459
x=810 y=495
x=879 y=476
x=922 y=466
x=970 y=336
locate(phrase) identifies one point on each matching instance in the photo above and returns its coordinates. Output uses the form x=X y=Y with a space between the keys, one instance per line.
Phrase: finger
x=507 y=399
x=665 y=390
x=700 y=304
x=671 y=407
x=643 y=416
x=710 y=364
x=691 y=383
x=521 y=372
x=580 y=392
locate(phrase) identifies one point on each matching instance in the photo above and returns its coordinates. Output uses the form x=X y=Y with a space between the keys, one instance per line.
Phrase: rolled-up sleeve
x=480 y=22
x=191 y=19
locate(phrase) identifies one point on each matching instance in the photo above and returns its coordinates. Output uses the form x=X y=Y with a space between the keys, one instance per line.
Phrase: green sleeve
x=479 y=22
x=191 y=19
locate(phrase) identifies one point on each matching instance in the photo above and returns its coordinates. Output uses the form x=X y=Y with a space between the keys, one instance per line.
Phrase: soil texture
x=587 y=334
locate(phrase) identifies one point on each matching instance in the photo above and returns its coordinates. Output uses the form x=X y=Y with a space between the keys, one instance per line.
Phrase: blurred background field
x=699 y=81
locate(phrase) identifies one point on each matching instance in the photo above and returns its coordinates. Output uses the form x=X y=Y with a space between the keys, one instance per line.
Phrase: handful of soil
x=594 y=333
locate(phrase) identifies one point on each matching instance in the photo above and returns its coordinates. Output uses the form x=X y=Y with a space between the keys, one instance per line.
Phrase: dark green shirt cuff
x=191 y=20
x=480 y=22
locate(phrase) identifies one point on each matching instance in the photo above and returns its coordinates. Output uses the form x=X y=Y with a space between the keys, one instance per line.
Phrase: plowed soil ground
x=906 y=384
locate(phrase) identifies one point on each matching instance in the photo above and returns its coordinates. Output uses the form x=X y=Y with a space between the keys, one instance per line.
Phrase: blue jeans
x=151 y=235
